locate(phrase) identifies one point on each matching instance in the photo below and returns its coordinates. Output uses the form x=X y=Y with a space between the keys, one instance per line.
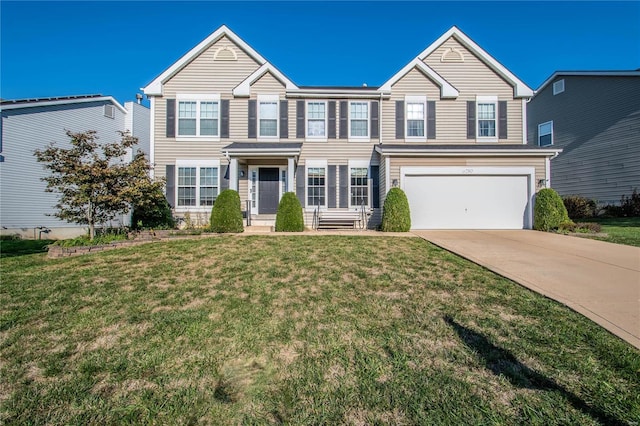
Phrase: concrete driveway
x=597 y=279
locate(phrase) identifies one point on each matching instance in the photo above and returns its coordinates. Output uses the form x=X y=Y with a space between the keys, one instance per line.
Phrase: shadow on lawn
x=14 y=248
x=501 y=362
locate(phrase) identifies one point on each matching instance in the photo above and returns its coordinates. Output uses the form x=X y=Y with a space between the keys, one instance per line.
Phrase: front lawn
x=297 y=330
x=620 y=230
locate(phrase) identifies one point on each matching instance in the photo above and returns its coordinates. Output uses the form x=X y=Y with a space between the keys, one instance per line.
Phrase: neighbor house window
x=197 y=185
x=558 y=87
x=545 y=133
x=316 y=186
x=268 y=116
x=316 y=119
x=359 y=119
x=359 y=184
x=199 y=116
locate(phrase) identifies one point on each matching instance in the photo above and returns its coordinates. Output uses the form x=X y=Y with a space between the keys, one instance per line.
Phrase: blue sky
x=114 y=48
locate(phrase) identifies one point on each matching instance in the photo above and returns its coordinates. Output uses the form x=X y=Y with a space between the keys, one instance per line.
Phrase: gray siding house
x=30 y=124
x=594 y=116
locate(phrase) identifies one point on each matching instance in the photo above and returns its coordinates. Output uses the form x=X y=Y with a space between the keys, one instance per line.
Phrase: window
x=359 y=186
x=316 y=119
x=558 y=87
x=415 y=116
x=197 y=186
x=316 y=178
x=198 y=115
x=545 y=133
x=268 y=116
x=359 y=119
x=487 y=118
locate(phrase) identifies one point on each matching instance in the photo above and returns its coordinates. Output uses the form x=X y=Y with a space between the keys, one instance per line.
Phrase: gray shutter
x=253 y=119
x=224 y=118
x=344 y=122
x=170 y=172
x=300 y=119
x=284 y=119
x=502 y=120
x=431 y=119
x=171 y=118
x=300 y=185
x=399 y=119
x=471 y=119
x=375 y=186
x=344 y=186
x=375 y=114
x=224 y=182
x=331 y=132
x=331 y=181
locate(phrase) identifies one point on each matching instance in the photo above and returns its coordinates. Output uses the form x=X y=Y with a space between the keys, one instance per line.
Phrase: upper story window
x=545 y=134
x=316 y=119
x=198 y=115
x=487 y=117
x=359 y=120
x=268 y=116
x=416 y=116
x=558 y=87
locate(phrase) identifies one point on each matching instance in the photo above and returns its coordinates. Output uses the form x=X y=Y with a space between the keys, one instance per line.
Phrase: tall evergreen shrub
x=549 y=210
x=226 y=215
x=396 y=216
x=289 y=217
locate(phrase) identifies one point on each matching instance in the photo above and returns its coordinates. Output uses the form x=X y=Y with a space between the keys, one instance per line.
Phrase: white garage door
x=468 y=201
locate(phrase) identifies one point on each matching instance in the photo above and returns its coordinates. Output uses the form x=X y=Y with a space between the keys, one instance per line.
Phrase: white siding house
x=30 y=124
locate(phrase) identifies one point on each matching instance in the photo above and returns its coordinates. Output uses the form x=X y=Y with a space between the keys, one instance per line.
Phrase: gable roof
x=521 y=90
x=624 y=73
x=446 y=89
x=244 y=88
x=155 y=87
x=6 y=104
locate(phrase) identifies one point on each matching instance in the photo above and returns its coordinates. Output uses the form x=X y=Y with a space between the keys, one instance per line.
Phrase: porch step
x=258 y=229
x=263 y=222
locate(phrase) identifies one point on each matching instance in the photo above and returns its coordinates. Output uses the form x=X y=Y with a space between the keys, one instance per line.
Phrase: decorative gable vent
x=452 y=55
x=225 y=54
x=558 y=87
x=110 y=111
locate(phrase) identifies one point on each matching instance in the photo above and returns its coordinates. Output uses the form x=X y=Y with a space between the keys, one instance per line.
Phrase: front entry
x=268 y=190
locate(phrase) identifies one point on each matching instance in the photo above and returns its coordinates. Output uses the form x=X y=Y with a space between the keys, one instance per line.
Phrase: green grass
x=620 y=230
x=297 y=330
x=12 y=248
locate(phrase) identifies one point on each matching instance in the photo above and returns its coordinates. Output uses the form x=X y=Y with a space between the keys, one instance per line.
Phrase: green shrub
x=579 y=207
x=226 y=215
x=396 y=216
x=631 y=205
x=580 y=227
x=549 y=210
x=152 y=211
x=289 y=217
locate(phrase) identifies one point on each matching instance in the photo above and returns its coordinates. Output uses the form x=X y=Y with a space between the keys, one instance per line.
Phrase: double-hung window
x=198 y=116
x=416 y=117
x=197 y=183
x=358 y=185
x=487 y=118
x=316 y=183
x=545 y=134
x=359 y=120
x=268 y=116
x=316 y=120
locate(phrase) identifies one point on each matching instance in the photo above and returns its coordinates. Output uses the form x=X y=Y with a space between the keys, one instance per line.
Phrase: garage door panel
x=467 y=202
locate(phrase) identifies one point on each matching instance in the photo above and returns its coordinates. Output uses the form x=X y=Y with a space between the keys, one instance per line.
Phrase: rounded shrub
x=579 y=207
x=396 y=216
x=226 y=214
x=289 y=217
x=549 y=211
x=152 y=211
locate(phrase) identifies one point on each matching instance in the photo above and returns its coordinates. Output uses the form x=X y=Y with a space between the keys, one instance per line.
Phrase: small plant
x=549 y=211
x=580 y=228
x=226 y=215
x=579 y=207
x=188 y=222
x=289 y=217
x=396 y=216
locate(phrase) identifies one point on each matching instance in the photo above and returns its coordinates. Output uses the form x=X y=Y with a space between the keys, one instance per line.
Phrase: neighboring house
x=30 y=124
x=594 y=116
x=448 y=128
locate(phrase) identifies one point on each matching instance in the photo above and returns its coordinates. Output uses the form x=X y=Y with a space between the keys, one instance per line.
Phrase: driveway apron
x=597 y=279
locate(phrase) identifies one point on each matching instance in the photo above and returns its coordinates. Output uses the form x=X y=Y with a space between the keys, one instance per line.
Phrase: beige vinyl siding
x=537 y=162
x=267 y=84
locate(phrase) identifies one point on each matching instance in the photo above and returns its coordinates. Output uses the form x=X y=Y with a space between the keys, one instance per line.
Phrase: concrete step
x=258 y=229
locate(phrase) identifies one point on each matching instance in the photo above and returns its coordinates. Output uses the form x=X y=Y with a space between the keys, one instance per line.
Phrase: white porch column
x=291 y=169
x=233 y=174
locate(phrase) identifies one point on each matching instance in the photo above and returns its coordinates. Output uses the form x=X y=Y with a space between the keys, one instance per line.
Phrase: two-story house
x=449 y=128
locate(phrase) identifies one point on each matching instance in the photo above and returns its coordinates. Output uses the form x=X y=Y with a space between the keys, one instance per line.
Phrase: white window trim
x=558 y=87
x=306 y=121
x=360 y=164
x=197 y=97
x=360 y=138
x=486 y=100
x=312 y=164
x=197 y=164
x=542 y=124
x=414 y=100
x=268 y=98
